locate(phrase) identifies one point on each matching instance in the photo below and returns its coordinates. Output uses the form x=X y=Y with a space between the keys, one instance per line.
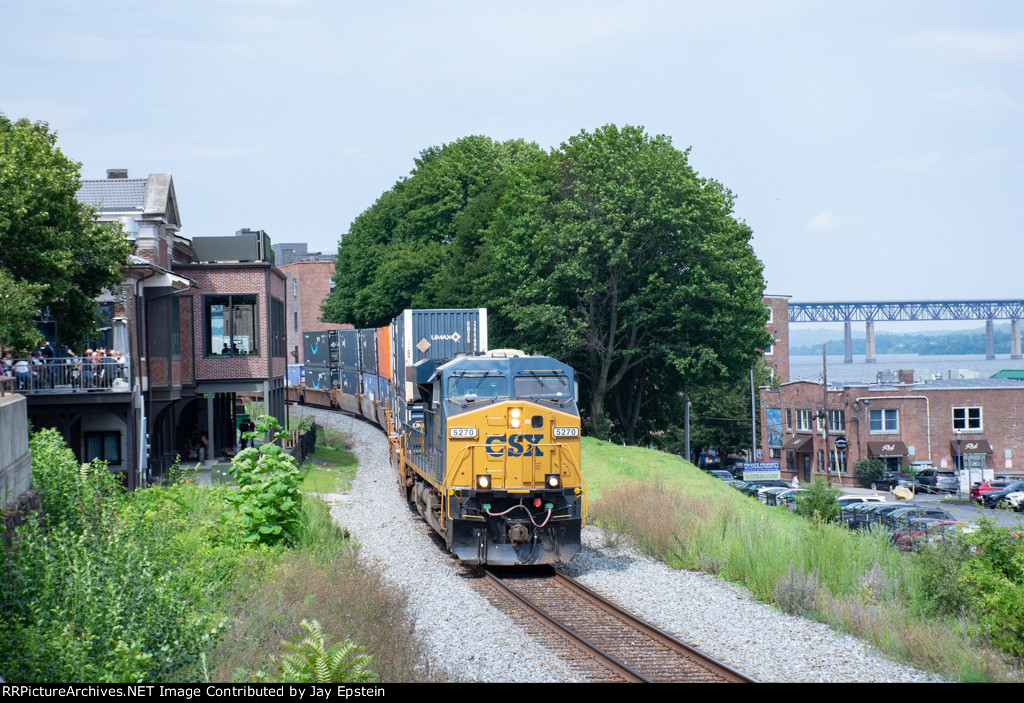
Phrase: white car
x=1016 y=499
x=850 y=499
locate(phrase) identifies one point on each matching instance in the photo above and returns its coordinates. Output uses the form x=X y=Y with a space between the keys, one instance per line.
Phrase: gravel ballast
x=468 y=638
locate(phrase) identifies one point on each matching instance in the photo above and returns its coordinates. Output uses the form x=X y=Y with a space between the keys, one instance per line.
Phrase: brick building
x=972 y=424
x=200 y=320
x=777 y=357
x=307 y=285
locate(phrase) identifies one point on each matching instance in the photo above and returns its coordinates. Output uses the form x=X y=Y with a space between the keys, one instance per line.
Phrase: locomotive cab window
x=472 y=387
x=542 y=386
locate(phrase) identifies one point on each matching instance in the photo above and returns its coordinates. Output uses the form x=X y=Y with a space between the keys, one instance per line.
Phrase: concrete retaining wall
x=15 y=461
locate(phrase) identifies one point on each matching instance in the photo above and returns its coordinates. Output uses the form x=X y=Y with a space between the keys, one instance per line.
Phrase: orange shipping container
x=384 y=352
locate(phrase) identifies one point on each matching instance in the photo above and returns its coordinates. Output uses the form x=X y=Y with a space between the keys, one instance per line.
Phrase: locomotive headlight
x=483 y=481
x=515 y=417
x=552 y=480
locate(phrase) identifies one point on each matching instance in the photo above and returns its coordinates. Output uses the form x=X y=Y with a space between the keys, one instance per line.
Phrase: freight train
x=485 y=444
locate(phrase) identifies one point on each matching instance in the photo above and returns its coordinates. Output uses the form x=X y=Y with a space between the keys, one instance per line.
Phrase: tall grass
x=322 y=579
x=855 y=581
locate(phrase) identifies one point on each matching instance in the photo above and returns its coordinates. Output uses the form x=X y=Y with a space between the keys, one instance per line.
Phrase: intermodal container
x=434 y=334
x=315 y=348
x=348 y=344
x=368 y=350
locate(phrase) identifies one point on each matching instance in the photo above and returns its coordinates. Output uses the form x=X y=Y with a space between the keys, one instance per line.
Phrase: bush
x=867 y=471
x=98 y=590
x=267 y=504
x=818 y=503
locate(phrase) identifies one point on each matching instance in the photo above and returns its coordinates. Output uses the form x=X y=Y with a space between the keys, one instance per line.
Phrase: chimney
x=907 y=376
x=117 y=173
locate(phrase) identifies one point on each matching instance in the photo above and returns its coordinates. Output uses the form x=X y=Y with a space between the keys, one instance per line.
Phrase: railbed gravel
x=466 y=637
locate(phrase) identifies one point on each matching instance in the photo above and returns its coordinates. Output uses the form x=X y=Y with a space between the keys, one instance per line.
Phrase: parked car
x=889 y=481
x=921 y=531
x=721 y=474
x=754 y=487
x=937 y=481
x=788 y=498
x=980 y=488
x=902 y=516
x=860 y=515
x=1015 y=500
x=845 y=500
x=734 y=465
x=994 y=499
x=767 y=495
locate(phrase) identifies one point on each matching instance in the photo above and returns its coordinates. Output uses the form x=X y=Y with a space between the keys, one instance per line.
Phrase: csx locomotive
x=486 y=444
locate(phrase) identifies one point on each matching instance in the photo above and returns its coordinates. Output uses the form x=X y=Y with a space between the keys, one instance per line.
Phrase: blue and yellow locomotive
x=486 y=444
x=493 y=461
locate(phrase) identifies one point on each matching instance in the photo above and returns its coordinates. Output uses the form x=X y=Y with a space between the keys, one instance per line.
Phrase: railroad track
x=604 y=642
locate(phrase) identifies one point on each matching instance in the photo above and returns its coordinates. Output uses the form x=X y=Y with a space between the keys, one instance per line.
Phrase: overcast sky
x=875 y=148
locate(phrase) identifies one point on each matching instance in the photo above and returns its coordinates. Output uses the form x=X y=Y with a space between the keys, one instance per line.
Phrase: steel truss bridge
x=905 y=311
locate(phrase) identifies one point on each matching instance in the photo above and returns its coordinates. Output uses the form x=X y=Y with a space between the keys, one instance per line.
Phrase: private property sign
x=761 y=470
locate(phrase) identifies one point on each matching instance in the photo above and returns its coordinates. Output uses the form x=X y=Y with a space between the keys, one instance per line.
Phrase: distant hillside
x=958 y=342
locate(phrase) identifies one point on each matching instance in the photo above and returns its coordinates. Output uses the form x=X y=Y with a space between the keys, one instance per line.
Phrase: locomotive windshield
x=542 y=387
x=472 y=387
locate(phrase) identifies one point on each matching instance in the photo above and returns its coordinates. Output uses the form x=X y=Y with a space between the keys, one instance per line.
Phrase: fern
x=312 y=660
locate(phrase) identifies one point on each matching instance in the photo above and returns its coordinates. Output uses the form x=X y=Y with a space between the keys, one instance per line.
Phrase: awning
x=974 y=445
x=800 y=443
x=881 y=449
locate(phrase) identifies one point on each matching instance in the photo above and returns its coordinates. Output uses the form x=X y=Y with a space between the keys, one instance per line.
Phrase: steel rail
x=707 y=666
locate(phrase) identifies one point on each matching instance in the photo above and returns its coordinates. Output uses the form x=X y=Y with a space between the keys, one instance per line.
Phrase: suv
x=932 y=480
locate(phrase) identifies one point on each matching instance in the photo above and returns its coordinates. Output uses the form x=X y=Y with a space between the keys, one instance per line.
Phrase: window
x=821 y=460
x=541 y=386
x=803 y=420
x=790 y=463
x=967 y=419
x=477 y=386
x=834 y=465
x=770 y=314
x=789 y=420
x=295 y=288
x=103 y=445
x=296 y=318
x=774 y=453
x=278 y=333
x=887 y=420
x=837 y=421
x=231 y=325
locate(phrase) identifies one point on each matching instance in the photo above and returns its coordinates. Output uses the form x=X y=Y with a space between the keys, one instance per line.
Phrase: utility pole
x=824 y=411
x=753 y=420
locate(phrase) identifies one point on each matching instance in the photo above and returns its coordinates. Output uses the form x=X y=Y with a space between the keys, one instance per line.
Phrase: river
x=927 y=366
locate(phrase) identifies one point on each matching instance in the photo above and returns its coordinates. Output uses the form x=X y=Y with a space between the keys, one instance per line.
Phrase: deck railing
x=68 y=375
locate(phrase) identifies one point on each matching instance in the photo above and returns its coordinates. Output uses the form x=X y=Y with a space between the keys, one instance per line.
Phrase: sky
x=874 y=148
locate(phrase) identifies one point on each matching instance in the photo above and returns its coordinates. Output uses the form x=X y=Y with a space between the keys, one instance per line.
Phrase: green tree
x=419 y=245
x=52 y=251
x=614 y=255
x=819 y=503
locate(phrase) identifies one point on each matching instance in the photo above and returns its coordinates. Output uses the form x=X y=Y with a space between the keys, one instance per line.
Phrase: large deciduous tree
x=615 y=255
x=53 y=254
x=419 y=244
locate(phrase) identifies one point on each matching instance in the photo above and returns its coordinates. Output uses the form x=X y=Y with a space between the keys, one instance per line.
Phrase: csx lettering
x=515 y=445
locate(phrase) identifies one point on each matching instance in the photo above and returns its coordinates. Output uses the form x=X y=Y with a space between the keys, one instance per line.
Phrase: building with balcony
x=201 y=322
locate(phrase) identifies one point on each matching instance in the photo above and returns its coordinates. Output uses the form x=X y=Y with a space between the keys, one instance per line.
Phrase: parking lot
x=961 y=508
